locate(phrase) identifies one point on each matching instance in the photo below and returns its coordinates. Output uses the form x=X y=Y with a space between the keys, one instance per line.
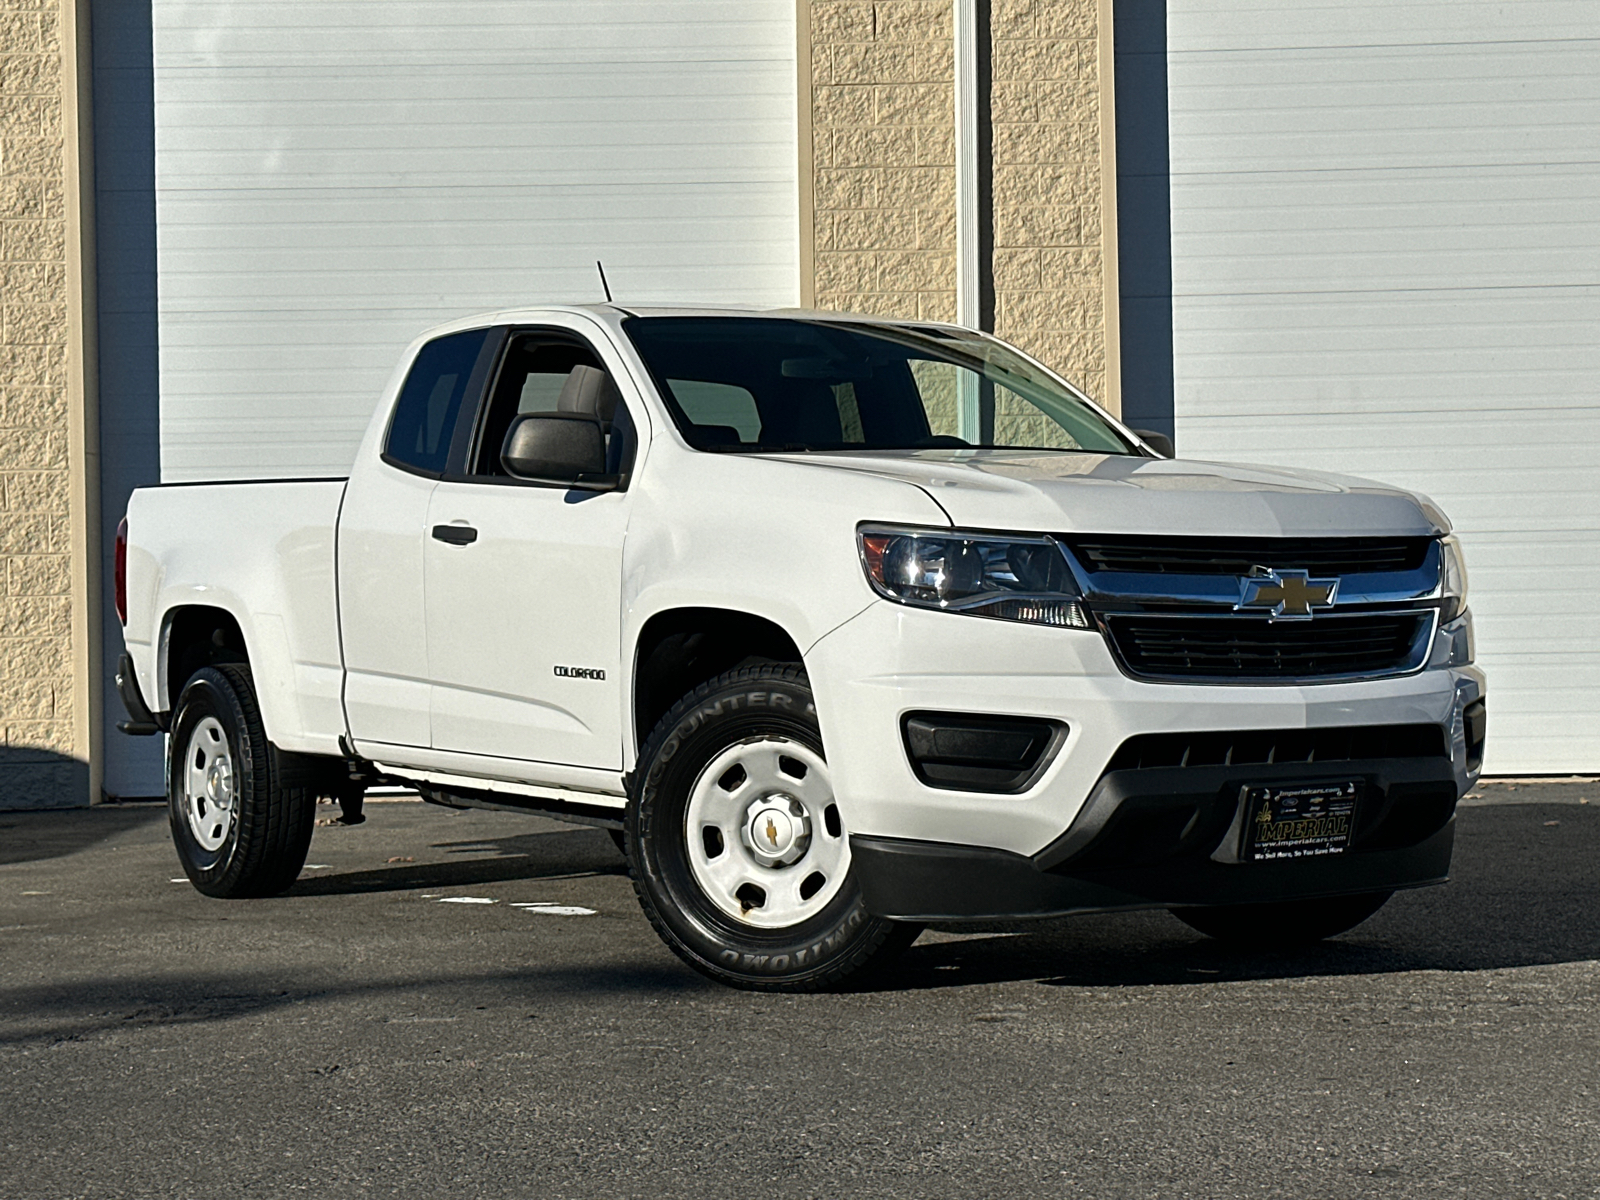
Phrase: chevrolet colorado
x=841 y=625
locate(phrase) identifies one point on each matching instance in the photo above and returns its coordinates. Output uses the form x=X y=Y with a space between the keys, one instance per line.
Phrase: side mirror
x=559 y=448
x=1159 y=442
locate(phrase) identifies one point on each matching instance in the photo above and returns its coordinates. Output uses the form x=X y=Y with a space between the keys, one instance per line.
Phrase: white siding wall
x=335 y=175
x=1386 y=261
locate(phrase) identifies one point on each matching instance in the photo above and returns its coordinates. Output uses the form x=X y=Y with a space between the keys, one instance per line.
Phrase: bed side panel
x=264 y=553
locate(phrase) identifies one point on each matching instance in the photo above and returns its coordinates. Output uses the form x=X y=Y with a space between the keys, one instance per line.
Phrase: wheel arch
x=195 y=636
x=679 y=648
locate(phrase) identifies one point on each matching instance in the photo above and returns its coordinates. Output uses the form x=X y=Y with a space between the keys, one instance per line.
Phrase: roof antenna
x=599 y=267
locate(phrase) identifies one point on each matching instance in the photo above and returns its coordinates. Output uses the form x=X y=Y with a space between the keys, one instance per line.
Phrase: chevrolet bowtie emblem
x=772 y=833
x=1286 y=593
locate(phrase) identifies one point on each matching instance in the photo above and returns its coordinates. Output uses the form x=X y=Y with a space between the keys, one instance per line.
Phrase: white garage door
x=333 y=176
x=1386 y=261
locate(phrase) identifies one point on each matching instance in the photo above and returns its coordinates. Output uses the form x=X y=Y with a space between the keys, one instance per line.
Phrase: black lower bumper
x=1171 y=838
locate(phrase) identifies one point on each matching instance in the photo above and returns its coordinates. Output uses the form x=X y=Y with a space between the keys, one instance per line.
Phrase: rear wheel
x=740 y=855
x=241 y=810
x=1283 y=925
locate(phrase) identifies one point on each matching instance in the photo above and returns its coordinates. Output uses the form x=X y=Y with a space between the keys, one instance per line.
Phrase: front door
x=524 y=586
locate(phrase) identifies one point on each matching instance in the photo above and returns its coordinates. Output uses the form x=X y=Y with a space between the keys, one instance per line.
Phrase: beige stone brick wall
x=883 y=138
x=883 y=135
x=1049 y=284
x=39 y=766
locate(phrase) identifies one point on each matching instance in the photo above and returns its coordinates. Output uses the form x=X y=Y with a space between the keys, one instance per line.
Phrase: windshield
x=763 y=384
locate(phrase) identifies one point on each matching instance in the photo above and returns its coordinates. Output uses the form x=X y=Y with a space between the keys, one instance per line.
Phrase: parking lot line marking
x=550 y=908
x=466 y=900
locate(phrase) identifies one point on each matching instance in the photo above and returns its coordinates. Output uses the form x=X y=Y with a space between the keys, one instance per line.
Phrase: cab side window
x=547 y=372
x=430 y=400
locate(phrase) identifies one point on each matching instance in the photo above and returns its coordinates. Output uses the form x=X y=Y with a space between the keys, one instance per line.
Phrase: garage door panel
x=1413 y=345
x=1261 y=24
x=384 y=33
x=333 y=178
x=1386 y=262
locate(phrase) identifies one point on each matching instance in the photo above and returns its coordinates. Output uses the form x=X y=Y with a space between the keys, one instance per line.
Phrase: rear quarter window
x=425 y=415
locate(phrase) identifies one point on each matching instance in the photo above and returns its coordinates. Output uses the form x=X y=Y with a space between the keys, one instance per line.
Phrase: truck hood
x=1116 y=493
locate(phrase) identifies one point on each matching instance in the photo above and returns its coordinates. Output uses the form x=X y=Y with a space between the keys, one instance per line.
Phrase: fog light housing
x=973 y=752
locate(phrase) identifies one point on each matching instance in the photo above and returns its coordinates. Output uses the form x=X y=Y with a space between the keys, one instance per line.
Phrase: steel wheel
x=736 y=841
x=765 y=841
x=241 y=810
x=208 y=786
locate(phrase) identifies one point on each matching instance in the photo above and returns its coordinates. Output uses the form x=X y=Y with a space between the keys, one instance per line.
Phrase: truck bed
x=263 y=552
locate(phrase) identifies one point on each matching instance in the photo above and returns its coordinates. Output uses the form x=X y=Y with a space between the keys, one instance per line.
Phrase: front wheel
x=740 y=855
x=1283 y=925
x=241 y=810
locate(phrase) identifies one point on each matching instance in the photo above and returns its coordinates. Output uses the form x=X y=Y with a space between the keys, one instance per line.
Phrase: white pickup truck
x=840 y=625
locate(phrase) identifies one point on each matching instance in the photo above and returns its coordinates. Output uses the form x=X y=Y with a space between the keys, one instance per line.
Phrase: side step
x=538 y=806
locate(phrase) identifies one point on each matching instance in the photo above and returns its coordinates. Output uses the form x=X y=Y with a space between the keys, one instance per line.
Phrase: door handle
x=456 y=535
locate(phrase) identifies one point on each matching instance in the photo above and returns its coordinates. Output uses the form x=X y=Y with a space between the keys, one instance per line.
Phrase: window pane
x=719 y=404
x=430 y=400
x=1020 y=422
x=937 y=383
x=531 y=378
x=764 y=383
x=541 y=392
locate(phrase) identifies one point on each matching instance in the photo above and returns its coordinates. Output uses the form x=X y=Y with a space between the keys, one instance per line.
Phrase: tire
x=1284 y=925
x=241 y=810
x=741 y=753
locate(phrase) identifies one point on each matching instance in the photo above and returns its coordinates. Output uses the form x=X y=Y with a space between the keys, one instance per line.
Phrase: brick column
x=43 y=739
x=883 y=173
x=883 y=130
x=1050 y=295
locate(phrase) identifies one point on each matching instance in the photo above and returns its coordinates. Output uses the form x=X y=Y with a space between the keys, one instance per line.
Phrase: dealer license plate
x=1299 y=820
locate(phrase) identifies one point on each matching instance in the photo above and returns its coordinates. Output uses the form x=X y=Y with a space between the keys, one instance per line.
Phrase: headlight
x=1013 y=579
x=1452 y=579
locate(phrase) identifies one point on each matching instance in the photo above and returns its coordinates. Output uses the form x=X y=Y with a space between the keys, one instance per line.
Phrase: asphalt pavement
x=472 y=1005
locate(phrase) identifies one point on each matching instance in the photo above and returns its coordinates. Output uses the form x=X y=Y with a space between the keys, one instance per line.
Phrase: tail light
x=121 y=572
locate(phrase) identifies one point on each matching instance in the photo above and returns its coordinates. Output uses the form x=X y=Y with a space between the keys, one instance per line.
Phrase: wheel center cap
x=219 y=783
x=772 y=831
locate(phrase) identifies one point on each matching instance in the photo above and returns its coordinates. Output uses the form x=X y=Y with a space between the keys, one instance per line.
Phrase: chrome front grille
x=1236 y=556
x=1190 y=608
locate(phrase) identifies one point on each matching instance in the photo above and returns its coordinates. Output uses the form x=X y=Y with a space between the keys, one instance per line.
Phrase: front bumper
x=926 y=881
x=891 y=661
x=1173 y=836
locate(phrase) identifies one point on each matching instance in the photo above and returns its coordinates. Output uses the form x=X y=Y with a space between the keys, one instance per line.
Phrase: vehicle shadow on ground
x=1522 y=894
x=51 y=1013
x=56 y=833
x=562 y=854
